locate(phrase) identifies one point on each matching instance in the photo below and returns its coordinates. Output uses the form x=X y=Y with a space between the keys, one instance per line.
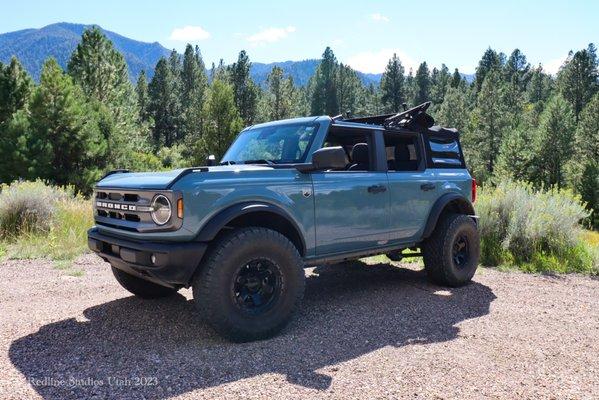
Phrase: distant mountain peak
x=33 y=46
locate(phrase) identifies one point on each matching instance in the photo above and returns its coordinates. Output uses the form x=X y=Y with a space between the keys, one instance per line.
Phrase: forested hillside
x=517 y=122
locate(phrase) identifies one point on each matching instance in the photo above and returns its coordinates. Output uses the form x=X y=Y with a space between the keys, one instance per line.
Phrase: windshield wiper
x=226 y=163
x=269 y=162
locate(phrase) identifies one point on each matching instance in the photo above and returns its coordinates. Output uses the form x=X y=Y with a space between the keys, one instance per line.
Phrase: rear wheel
x=140 y=287
x=250 y=285
x=452 y=252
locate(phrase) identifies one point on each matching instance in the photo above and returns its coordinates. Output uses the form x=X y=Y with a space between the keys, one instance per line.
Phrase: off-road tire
x=140 y=287
x=438 y=254
x=214 y=286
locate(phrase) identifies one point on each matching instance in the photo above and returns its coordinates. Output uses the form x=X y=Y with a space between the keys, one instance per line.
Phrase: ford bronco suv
x=286 y=195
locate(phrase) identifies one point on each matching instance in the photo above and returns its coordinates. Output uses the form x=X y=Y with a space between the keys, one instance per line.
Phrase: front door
x=351 y=210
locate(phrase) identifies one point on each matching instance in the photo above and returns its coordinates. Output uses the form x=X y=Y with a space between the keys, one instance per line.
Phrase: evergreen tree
x=66 y=144
x=585 y=164
x=454 y=112
x=244 y=89
x=489 y=122
x=539 y=86
x=517 y=70
x=553 y=142
x=422 y=85
x=223 y=121
x=440 y=80
x=143 y=99
x=102 y=73
x=195 y=83
x=578 y=79
x=323 y=86
x=280 y=95
x=349 y=90
x=456 y=79
x=491 y=60
x=15 y=91
x=393 y=93
x=15 y=88
x=165 y=106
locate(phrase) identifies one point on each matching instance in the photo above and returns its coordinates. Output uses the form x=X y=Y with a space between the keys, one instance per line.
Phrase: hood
x=162 y=180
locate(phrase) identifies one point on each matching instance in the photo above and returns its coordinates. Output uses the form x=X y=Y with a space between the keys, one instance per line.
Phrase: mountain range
x=33 y=46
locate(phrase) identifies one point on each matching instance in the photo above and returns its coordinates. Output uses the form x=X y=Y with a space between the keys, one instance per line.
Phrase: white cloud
x=552 y=66
x=270 y=35
x=378 y=17
x=189 y=34
x=374 y=62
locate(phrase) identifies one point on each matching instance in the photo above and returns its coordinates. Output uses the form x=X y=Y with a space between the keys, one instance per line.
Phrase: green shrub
x=537 y=230
x=28 y=207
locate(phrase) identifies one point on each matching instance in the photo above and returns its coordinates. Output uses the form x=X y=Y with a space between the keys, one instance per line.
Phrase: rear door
x=412 y=187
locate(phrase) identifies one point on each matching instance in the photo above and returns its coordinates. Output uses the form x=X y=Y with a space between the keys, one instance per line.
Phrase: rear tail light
x=473 y=190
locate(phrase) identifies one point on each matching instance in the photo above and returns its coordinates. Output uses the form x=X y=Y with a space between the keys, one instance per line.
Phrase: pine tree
x=244 y=88
x=454 y=112
x=517 y=70
x=393 y=93
x=578 y=79
x=143 y=99
x=223 y=121
x=66 y=144
x=422 y=85
x=539 y=86
x=439 y=83
x=195 y=83
x=165 y=106
x=15 y=92
x=456 y=79
x=280 y=95
x=490 y=60
x=323 y=86
x=349 y=90
x=553 y=142
x=489 y=122
x=102 y=73
x=585 y=164
x=15 y=89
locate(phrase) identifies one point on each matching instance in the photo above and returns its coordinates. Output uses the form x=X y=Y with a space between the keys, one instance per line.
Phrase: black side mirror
x=329 y=158
x=210 y=160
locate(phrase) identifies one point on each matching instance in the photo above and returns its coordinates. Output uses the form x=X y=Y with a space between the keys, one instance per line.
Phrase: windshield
x=280 y=144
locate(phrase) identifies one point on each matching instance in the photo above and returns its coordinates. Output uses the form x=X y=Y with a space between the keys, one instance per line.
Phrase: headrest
x=359 y=153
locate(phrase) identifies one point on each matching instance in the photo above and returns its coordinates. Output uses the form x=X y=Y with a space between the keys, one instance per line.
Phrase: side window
x=445 y=151
x=402 y=153
x=357 y=146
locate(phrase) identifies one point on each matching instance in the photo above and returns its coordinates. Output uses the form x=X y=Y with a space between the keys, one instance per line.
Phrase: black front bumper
x=173 y=264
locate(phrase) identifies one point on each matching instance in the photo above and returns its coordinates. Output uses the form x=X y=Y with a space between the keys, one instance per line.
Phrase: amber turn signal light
x=180 y=208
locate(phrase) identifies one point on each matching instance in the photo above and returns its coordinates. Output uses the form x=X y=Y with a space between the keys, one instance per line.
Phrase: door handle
x=377 y=189
x=427 y=186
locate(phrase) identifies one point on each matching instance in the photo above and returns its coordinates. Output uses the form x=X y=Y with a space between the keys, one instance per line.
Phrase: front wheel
x=451 y=253
x=250 y=285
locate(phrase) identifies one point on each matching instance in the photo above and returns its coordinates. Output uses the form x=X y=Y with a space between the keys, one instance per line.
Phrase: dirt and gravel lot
x=363 y=332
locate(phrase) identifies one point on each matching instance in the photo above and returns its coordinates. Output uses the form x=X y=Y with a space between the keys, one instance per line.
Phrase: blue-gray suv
x=286 y=195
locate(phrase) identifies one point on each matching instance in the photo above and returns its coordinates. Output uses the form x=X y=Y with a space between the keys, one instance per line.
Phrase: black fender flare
x=438 y=207
x=222 y=218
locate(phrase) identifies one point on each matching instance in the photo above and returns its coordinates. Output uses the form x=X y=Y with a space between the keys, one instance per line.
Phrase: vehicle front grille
x=123 y=209
x=129 y=210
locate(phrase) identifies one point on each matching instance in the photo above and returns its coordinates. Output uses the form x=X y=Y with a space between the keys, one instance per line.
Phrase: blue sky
x=362 y=33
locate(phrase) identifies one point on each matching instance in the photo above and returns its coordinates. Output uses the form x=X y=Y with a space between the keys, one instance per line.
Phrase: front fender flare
x=221 y=219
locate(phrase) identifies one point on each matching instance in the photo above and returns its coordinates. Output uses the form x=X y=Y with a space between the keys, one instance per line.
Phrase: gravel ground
x=364 y=331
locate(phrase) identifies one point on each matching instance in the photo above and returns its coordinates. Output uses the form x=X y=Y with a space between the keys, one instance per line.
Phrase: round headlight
x=161 y=209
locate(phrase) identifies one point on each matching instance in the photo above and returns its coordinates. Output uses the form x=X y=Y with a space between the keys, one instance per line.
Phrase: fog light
x=153 y=259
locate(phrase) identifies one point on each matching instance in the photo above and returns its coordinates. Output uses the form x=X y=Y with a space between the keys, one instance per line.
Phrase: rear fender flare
x=455 y=200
